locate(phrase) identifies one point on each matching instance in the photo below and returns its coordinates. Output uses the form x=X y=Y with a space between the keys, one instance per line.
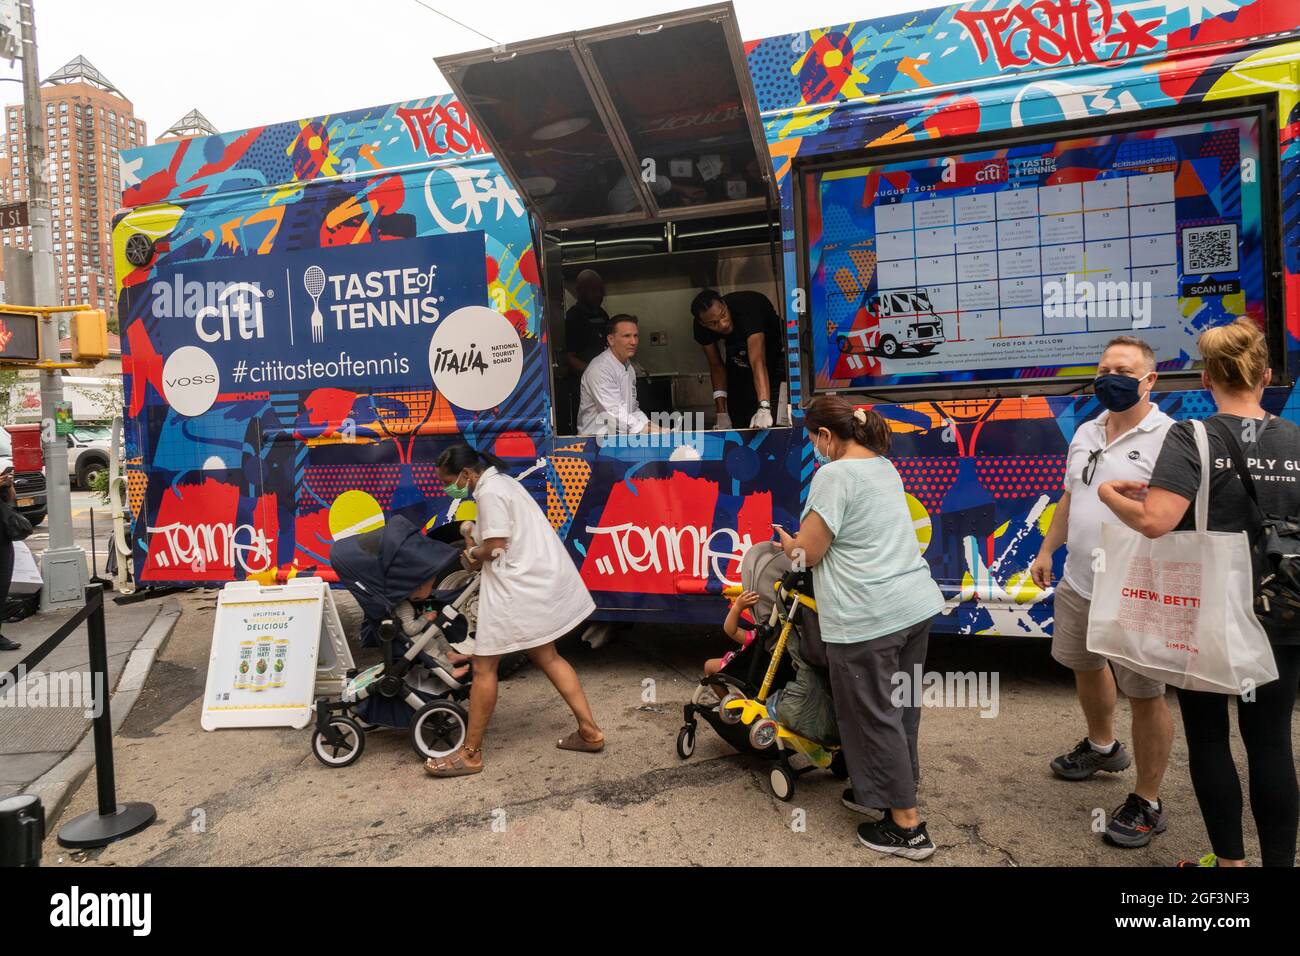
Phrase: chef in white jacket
x=530 y=594
x=607 y=402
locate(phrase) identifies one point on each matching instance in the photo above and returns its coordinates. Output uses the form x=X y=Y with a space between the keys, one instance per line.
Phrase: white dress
x=532 y=594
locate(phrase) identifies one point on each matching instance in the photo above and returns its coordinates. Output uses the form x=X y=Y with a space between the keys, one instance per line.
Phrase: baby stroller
x=776 y=696
x=411 y=689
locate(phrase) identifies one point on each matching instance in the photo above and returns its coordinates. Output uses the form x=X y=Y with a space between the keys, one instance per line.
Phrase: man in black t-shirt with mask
x=747 y=382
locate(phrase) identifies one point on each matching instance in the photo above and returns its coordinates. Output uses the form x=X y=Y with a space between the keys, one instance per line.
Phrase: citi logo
x=221 y=311
x=77 y=909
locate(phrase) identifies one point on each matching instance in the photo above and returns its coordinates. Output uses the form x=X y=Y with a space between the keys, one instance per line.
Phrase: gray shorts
x=1070 y=646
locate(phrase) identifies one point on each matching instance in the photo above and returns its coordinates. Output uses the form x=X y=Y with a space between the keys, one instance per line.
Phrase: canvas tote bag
x=1179 y=608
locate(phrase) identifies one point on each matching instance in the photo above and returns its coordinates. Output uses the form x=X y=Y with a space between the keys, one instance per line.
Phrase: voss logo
x=222 y=311
x=191 y=380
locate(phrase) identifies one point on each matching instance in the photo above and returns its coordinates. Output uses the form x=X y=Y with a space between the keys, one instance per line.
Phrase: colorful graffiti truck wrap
x=314 y=310
x=968 y=198
x=311 y=310
x=977 y=173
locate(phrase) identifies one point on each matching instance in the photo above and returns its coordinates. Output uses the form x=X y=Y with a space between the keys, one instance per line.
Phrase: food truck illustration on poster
x=952 y=211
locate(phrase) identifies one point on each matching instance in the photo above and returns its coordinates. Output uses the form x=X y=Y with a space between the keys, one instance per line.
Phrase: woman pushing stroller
x=530 y=595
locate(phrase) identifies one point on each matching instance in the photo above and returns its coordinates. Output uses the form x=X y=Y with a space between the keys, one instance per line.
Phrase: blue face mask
x=1118 y=393
x=822 y=459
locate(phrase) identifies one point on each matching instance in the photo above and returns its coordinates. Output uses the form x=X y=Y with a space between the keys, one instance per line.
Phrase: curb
x=57 y=785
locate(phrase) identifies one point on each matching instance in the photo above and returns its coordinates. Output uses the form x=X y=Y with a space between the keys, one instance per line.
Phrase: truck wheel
x=88 y=473
x=889 y=346
x=36 y=518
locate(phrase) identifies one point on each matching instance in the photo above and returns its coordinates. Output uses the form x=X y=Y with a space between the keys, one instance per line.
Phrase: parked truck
x=22 y=445
x=95 y=401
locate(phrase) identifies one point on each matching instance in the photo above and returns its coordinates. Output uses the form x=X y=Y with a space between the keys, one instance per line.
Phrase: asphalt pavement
x=259 y=797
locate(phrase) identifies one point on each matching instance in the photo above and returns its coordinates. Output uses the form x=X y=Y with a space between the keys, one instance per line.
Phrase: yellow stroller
x=780 y=673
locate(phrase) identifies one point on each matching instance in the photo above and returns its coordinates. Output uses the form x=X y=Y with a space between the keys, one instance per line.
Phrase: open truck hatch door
x=646 y=120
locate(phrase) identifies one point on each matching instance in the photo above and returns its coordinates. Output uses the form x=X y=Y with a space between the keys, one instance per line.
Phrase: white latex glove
x=724 y=422
x=762 y=419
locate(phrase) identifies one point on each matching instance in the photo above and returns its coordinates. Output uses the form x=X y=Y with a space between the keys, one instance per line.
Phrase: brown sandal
x=451 y=766
x=575 y=741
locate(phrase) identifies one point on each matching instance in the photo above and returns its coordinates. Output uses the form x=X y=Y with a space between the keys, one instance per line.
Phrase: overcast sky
x=249 y=62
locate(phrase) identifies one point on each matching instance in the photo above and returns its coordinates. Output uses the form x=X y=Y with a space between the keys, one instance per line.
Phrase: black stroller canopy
x=381 y=568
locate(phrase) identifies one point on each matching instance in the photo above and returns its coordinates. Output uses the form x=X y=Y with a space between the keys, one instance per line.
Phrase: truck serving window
x=991 y=264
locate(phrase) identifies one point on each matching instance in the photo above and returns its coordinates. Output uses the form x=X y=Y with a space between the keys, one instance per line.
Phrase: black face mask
x=1117 y=393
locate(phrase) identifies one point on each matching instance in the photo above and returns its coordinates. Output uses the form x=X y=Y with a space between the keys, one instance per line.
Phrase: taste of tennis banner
x=353 y=316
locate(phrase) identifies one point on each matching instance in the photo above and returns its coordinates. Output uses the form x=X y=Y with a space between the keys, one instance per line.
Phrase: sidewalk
x=46 y=749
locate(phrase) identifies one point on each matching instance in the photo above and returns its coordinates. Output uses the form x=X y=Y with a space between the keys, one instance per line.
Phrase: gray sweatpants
x=879 y=738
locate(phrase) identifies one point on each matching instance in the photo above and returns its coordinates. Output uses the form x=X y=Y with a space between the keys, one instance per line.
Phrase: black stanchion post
x=112 y=822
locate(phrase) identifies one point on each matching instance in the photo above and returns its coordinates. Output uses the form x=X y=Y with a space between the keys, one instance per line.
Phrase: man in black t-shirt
x=585 y=326
x=747 y=382
x=585 y=323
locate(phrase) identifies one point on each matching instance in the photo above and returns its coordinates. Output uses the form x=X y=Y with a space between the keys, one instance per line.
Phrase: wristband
x=765 y=404
x=719 y=393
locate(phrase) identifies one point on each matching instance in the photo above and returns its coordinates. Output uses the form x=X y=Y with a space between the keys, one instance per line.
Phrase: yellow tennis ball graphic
x=920 y=522
x=354 y=512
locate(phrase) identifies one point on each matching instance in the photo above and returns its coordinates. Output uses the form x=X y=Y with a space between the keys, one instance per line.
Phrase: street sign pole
x=64 y=564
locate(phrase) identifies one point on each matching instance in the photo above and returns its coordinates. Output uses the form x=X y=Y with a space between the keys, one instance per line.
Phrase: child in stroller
x=393 y=573
x=775 y=692
x=738 y=626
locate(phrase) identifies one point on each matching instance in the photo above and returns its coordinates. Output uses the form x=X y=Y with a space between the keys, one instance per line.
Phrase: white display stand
x=275 y=649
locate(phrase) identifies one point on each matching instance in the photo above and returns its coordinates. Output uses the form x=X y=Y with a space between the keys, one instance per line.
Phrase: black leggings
x=6 y=571
x=1265 y=727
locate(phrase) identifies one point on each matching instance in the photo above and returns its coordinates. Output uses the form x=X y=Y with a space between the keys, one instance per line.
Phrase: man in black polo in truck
x=585 y=325
x=747 y=380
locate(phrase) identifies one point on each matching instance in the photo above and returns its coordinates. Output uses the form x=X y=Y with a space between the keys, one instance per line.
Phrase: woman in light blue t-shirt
x=875 y=602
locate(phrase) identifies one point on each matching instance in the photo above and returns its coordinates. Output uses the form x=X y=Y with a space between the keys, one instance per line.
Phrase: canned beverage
x=244 y=670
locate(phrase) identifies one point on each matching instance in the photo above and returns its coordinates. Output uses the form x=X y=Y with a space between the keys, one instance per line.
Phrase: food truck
x=313 y=310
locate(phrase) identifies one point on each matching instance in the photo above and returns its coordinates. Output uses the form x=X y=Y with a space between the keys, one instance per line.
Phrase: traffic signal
x=20 y=337
x=89 y=331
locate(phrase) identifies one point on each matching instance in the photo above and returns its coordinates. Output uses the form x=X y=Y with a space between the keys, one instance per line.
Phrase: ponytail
x=457 y=458
x=1235 y=355
x=846 y=422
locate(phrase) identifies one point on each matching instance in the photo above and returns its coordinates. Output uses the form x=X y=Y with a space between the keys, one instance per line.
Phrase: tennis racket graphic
x=314 y=281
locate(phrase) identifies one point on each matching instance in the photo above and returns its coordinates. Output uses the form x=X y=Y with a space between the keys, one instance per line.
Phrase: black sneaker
x=851 y=801
x=885 y=836
x=8 y=645
x=1083 y=761
x=1135 y=823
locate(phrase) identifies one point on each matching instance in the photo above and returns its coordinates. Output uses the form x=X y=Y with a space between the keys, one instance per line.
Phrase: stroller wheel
x=686 y=742
x=345 y=752
x=729 y=715
x=782 y=781
x=762 y=734
x=438 y=729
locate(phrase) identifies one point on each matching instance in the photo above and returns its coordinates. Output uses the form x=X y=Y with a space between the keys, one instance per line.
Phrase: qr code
x=1210 y=249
